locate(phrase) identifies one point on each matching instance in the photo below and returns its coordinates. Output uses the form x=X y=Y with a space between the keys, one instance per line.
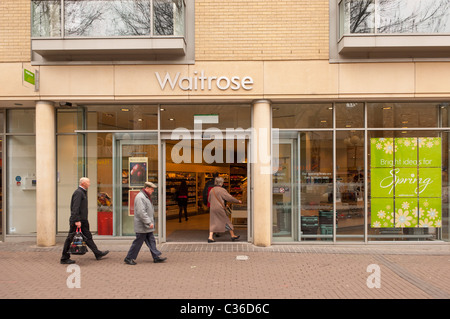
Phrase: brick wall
x=261 y=29
x=15 y=31
x=224 y=30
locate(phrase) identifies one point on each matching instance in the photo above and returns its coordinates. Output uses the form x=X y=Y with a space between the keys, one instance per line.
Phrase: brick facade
x=240 y=30
x=15 y=31
x=261 y=30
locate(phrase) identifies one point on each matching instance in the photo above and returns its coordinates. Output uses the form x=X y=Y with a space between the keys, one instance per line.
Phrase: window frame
x=368 y=47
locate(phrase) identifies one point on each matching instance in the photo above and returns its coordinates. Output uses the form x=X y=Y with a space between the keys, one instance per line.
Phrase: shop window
x=408 y=185
x=128 y=117
x=221 y=116
x=349 y=115
x=302 y=116
x=390 y=29
x=112 y=30
x=406 y=115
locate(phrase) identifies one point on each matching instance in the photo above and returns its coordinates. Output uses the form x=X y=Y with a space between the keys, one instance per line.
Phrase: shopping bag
x=78 y=244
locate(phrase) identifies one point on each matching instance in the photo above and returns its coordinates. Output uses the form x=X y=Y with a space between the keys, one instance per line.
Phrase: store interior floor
x=196 y=229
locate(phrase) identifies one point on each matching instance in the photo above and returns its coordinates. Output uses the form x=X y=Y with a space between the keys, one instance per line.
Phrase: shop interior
x=197 y=176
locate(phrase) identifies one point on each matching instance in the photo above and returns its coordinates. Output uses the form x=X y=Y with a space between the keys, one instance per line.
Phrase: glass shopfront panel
x=408 y=185
x=350 y=185
x=316 y=185
x=220 y=117
x=379 y=174
x=21 y=172
x=289 y=116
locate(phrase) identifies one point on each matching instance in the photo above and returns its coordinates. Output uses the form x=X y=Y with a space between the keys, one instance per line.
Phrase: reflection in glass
x=350 y=184
x=46 y=18
x=316 y=185
x=404 y=115
x=67 y=172
x=128 y=117
x=133 y=150
x=395 y=16
x=106 y=18
x=21 y=199
x=284 y=190
x=228 y=116
x=302 y=116
x=168 y=17
x=349 y=115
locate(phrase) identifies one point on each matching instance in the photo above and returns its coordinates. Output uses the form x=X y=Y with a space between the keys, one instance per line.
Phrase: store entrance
x=230 y=162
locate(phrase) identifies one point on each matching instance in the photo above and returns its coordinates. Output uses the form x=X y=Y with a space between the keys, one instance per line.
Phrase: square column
x=262 y=173
x=45 y=174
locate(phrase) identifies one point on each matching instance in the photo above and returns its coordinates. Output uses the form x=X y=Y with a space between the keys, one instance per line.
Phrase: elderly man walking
x=144 y=226
x=79 y=219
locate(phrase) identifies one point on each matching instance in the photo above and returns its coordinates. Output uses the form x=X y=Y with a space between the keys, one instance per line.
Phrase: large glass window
x=210 y=116
x=303 y=116
x=379 y=173
x=108 y=18
x=21 y=172
x=407 y=115
x=394 y=16
x=408 y=185
x=350 y=185
x=104 y=155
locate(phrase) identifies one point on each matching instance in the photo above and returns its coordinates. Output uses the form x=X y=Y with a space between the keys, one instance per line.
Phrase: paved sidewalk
x=197 y=271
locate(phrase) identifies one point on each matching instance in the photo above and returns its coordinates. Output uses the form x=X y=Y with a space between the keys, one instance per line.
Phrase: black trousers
x=182 y=205
x=149 y=240
x=87 y=234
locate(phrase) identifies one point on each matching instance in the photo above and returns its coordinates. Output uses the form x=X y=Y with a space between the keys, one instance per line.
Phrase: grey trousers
x=149 y=240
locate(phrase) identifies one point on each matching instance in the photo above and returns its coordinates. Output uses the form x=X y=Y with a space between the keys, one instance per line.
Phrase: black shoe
x=129 y=261
x=235 y=237
x=102 y=254
x=67 y=261
x=211 y=240
x=159 y=259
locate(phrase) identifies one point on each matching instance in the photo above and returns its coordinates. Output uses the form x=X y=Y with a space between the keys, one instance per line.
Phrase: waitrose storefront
x=316 y=156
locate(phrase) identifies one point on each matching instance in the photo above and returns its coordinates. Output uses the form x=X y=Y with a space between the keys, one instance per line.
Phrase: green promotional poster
x=406 y=182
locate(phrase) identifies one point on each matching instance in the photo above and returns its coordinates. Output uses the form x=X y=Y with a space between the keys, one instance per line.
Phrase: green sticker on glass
x=406 y=154
x=406 y=212
x=430 y=212
x=382 y=182
x=381 y=152
x=430 y=182
x=406 y=182
x=382 y=213
x=430 y=152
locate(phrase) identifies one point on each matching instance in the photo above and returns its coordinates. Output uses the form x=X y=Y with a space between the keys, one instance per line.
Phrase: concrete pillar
x=45 y=174
x=262 y=177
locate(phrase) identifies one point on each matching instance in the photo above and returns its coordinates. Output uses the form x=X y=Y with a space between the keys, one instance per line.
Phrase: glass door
x=285 y=187
x=303 y=187
x=135 y=162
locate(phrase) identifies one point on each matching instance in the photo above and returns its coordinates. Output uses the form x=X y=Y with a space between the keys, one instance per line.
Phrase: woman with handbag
x=219 y=220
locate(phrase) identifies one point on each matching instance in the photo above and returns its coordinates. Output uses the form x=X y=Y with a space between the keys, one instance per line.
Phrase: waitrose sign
x=199 y=81
x=406 y=182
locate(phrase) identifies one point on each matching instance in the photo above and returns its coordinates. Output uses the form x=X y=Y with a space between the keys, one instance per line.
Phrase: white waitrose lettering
x=202 y=82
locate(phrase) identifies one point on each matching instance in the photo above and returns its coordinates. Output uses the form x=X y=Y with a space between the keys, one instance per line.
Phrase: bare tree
x=398 y=16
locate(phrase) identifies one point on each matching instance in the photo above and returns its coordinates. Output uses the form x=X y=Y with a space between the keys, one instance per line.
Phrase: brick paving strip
x=204 y=271
x=428 y=288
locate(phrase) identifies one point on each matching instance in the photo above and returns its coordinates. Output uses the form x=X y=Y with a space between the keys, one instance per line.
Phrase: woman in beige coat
x=218 y=219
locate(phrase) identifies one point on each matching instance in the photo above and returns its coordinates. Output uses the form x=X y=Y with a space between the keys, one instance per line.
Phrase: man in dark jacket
x=79 y=219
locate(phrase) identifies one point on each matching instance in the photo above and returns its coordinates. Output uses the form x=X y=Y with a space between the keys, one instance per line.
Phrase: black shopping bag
x=78 y=244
